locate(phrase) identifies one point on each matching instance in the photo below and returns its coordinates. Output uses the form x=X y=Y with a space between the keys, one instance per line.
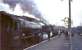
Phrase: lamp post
x=69 y=24
x=69 y=19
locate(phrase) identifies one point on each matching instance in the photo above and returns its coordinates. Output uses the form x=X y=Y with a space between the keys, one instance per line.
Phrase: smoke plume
x=26 y=5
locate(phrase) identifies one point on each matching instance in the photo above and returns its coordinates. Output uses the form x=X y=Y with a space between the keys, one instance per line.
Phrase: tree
x=66 y=21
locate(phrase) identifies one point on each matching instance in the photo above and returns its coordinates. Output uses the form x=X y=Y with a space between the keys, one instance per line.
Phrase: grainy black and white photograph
x=40 y=24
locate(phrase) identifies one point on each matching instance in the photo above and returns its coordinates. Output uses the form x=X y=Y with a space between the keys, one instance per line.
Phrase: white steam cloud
x=26 y=5
x=21 y=7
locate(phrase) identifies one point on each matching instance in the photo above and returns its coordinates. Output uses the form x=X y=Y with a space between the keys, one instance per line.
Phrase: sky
x=56 y=10
x=53 y=10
